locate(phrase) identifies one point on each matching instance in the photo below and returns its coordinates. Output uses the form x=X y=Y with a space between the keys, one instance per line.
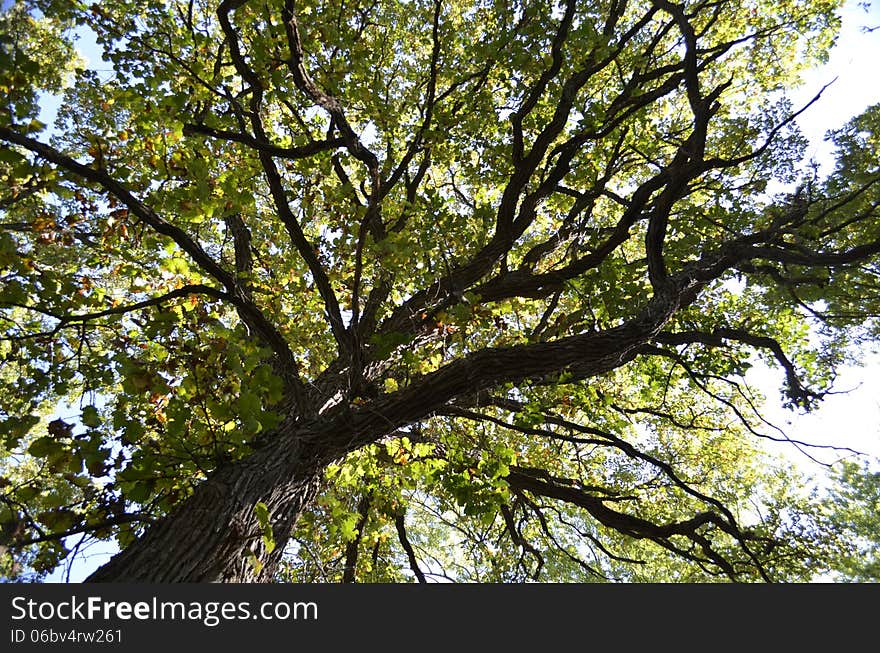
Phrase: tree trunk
x=215 y=535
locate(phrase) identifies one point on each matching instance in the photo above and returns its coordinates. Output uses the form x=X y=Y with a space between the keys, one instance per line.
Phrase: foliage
x=851 y=507
x=498 y=268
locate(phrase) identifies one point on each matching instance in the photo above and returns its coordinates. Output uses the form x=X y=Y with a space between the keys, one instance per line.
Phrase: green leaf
x=262 y=513
x=45 y=446
x=90 y=417
x=8 y=155
x=34 y=126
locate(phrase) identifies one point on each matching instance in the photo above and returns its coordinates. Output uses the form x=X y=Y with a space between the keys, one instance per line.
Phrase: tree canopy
x=378 y=290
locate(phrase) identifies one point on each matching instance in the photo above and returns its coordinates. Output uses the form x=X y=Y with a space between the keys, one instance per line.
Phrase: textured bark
x=211 y=536
x=215 y=534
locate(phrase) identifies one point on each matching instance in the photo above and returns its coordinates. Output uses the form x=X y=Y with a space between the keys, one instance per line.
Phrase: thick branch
x=300 y=152
x=134 y=205
x=799 y=394
x=90 y=527
x=276 y=184
x=304 y=82
x=241 y=243
x=630 y=525
x=351 y=549
x=535 y=92
x=400 y=525
x=183 y=291
x=249 y=313
x=521 y=541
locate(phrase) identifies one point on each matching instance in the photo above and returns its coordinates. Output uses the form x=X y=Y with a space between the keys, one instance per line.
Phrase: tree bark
x=215 y=535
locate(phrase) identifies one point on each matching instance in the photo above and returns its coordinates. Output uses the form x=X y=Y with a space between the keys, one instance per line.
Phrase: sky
x=852 y=72
x=845 y=420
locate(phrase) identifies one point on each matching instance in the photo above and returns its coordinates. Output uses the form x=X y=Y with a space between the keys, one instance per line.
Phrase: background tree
x=851 y=507
x=435 y=288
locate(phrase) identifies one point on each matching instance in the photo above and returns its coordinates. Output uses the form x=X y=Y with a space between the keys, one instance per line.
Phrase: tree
x=402 y=289
x=852 y=507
